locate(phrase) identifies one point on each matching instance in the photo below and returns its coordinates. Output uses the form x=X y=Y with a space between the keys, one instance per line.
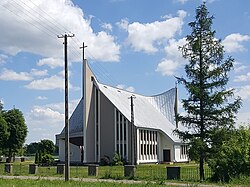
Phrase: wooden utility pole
x=133 y=134
x=66 y=129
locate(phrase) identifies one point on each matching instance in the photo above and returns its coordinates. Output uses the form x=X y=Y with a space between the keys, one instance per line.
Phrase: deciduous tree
x=17 y=131
x=46 y=146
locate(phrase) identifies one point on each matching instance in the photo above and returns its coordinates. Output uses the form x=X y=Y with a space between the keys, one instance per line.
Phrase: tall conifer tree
x=210 y=105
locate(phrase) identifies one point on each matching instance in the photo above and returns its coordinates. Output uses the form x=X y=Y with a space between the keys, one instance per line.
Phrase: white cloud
x=242 y=78
x=243 y=92
x=123 y=24
x=145 y=36
x=243 y=118
x=238 y=67
x=41 y=118
x=181 y=1
x=10 y=75
x=33 y=26
x=233 y=42
x=173 y=59
x=51 y=62
x=2 y=101
x=39 y=73
x=124 y=87
x=107 y=26
x=3 y=58
x=51 y=83
x=41 y=98
x=167 y=67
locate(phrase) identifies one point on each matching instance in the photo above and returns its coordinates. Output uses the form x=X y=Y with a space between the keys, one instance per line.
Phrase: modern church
x=109 y=120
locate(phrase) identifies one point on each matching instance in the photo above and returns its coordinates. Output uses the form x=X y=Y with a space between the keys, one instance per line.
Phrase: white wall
x=178 y=156
x=165 y=143
x=61 y=150
x=75 y=152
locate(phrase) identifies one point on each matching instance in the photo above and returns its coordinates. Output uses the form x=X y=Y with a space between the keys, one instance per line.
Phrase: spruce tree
x=210 y=106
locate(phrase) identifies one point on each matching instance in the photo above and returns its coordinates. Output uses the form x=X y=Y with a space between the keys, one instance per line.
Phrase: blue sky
x=132 y=45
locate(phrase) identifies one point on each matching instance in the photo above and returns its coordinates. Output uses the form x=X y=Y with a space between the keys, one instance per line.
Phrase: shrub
x=117 y=161
x=105 y=161
x=47 y=159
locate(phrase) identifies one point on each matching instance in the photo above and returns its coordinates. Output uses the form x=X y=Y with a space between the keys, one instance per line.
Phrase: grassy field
x=149 y=172
x=46 y=183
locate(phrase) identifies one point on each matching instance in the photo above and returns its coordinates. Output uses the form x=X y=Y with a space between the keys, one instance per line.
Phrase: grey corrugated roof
x=76 y=120
x=147 y=110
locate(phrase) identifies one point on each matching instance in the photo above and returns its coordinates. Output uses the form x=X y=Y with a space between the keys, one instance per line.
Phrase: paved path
x=106 y=180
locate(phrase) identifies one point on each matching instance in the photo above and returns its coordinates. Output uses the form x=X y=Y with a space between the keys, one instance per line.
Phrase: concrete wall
x=89 y=130
x=107 y=132
x=75 y=152
x=178 y=156
x=165 y=143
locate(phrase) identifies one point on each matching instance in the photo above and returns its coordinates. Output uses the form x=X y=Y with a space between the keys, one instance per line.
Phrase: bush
x=117 y=161
x=105 y=161
x=233 y=158
x=47 y=159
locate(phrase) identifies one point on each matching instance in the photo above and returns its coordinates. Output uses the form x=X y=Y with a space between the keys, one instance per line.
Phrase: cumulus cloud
x=181 y=1
x=3 y=58
x=242 y=78
x=124 y=87
x=233 y=42
x=123 y=24
x=28 y=26
x=41 y=98
x=41 y=118
x=38 y=73
x=107 y=26
x=146 y=36
x=243 y=92
x=51 y=62
x=238 y=67
x=51 y=83
x=10 y=75
x=173 y=59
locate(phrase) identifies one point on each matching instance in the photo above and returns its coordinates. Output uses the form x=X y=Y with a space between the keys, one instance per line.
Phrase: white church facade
x=100 y=126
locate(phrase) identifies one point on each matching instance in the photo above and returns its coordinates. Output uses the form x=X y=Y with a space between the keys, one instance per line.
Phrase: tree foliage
x=4 y=134
x=32 y=148
x=46 y=146
x=210 y=106
x=17 y=131
x=233 y=158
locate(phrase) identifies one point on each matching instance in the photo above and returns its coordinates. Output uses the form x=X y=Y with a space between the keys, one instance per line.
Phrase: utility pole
x=133 y=134
x=66 y=129
x=84 y=102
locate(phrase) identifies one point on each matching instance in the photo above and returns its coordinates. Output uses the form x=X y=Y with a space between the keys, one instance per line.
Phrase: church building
x=109 y=120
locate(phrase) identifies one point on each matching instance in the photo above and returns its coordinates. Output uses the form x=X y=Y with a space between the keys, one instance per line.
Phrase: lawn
x=145 y=172
x=57 y=183
x=189 y=172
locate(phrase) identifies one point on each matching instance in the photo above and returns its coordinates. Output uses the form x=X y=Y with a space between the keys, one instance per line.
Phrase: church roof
x=154 y=112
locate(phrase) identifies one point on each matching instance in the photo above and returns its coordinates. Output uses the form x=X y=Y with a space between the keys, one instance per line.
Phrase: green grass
x=46 y=183
x=149 y=172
